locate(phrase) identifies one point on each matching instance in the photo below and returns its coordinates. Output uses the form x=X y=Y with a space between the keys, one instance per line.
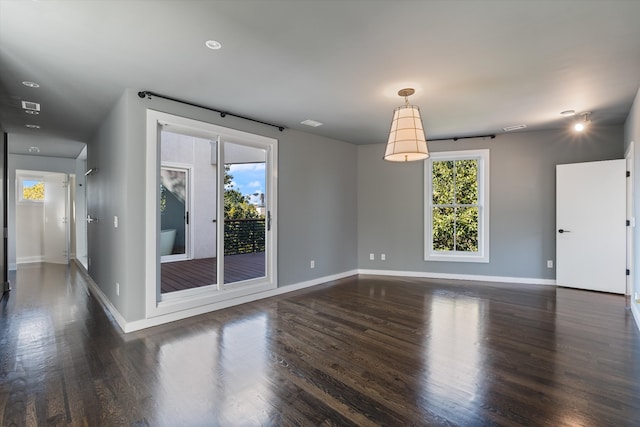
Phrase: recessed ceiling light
x=515 y=127
x=33 y=126
x=568 y=113
x=312 y=123
x=34 y=149
x=32 y=112
x=213 y=44
x=30 y=84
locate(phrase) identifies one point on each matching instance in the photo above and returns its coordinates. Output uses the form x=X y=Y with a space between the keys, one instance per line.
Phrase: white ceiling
x=477 y=66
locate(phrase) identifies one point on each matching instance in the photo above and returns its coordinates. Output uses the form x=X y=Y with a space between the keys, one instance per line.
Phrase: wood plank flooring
x=361 y=351
x=194 y=273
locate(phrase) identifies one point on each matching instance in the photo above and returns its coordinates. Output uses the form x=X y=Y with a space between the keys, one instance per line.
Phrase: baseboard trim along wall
x=147 y=323
x=474 y=277
x=636 y=314
x=29 y=259
x=137 y=325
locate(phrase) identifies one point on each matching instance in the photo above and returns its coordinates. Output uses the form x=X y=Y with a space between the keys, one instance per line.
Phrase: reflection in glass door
x=188 y=211
x=174 y=214
x=246 y=212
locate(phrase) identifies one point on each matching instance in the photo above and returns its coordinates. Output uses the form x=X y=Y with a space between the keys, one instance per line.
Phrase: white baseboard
x=29 y=259
x=475 y=277
x=147 y=323
x=102 y=298
x=136 y=325
x=636 y=313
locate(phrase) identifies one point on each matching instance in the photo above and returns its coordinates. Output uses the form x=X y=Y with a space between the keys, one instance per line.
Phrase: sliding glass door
x=214 y=220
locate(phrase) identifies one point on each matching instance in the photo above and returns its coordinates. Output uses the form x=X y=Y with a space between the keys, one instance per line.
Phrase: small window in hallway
x=30 y=189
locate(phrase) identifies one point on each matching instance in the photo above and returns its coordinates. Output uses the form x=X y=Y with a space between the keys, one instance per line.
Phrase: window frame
x=482 y=256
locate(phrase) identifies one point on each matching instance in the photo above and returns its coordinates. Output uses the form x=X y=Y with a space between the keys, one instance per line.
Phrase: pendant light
x=407 y=141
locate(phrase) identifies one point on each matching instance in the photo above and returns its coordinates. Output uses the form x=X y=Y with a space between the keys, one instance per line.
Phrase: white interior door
x=590 y=226
x=56 y=218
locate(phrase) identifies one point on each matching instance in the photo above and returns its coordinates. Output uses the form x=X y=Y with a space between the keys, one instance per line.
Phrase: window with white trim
x=457 y=206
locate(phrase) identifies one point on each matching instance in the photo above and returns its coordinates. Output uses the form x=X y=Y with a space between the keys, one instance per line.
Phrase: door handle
x=563 y=231
x=90 y=219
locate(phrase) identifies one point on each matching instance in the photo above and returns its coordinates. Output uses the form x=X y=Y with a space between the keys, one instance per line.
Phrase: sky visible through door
x=249 y=180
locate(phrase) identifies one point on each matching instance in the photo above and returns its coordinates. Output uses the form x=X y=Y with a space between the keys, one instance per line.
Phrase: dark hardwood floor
x=360 y=351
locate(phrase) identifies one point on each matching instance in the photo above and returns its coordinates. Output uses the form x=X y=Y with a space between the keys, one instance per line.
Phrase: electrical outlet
x=312 y=264
x=549 y=263
x=383 y=257
x=117 y=289
x=372 y=257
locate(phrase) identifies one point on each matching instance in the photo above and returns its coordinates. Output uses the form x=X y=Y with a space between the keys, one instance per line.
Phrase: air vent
x=312 y=123
x=28 y=105
x=516 y=127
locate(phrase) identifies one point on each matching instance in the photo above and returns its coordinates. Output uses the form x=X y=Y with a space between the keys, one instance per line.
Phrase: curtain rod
x=455 y=138
x=148 y=94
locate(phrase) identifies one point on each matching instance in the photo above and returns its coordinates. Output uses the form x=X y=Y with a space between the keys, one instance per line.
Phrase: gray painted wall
x=317 y=200
x=108 y=248
x=37 y=163
x=632 y=133
x=390 y=202
x=317 y=207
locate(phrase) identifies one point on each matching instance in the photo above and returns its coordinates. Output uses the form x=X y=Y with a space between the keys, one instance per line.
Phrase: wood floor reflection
x=360 y=351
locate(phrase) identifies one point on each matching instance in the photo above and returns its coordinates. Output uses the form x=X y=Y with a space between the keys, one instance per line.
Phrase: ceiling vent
x=28 y=105
x=516 y=127
x=312 y=123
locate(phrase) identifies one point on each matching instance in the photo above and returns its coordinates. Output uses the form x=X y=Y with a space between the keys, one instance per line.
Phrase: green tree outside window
x=455 y=205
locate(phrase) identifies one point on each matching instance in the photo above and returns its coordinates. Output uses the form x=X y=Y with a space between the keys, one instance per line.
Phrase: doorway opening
x=43 y=217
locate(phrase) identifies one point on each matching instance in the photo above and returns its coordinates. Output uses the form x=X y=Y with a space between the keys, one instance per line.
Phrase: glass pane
x=443 y=229
x=173 y=211
x=467 y=182
x=245 y=212
x=467 y=229
x=442 y=182
x=187 y=205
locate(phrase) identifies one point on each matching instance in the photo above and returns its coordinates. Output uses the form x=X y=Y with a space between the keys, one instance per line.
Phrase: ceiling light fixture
x=213 y=44
x=581 y=125
x=32 y=112
x=407 y=141
x=30 y=84
x=32 y=126
x=34 y=149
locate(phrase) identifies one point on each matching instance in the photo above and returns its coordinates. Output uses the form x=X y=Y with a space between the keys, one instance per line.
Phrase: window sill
x=451 y=257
